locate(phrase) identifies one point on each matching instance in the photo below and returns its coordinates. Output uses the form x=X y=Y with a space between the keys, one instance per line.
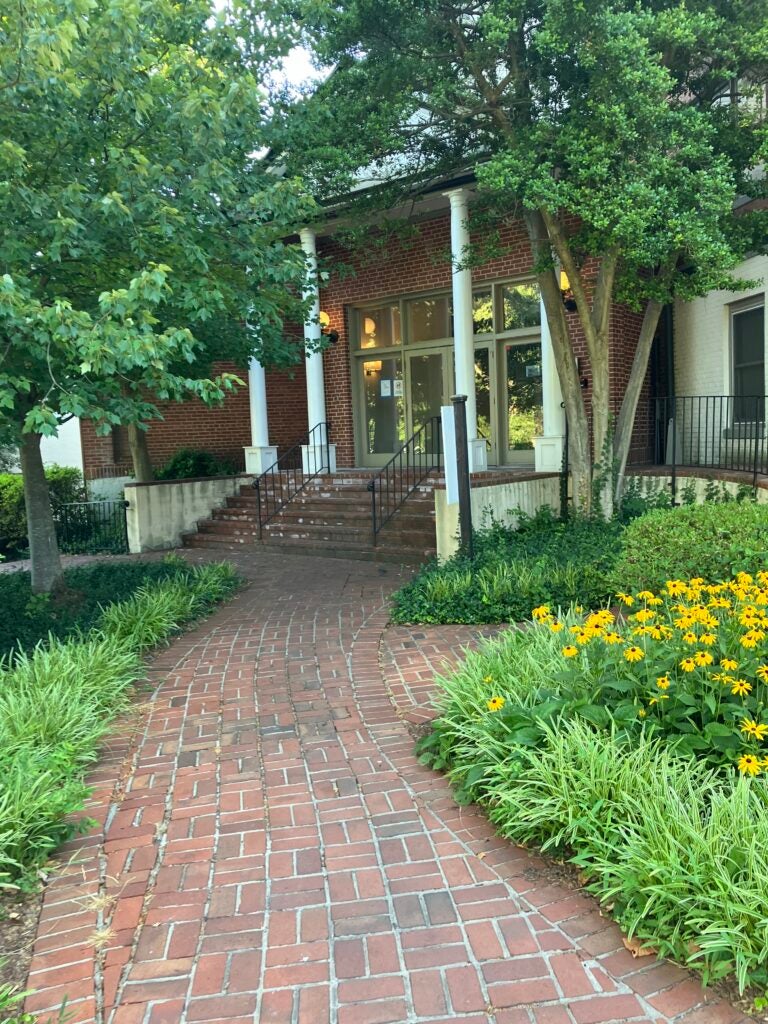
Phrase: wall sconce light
x=325 y=328
x=565 y=290
x=373 y=367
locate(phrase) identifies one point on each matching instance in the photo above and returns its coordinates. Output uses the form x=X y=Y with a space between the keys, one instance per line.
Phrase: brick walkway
x=272 y=851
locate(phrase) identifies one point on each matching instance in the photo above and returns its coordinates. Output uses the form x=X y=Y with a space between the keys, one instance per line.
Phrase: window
x=520 y=306
x=379 y=326
x=482 y=311
x=748 y=355
x=429 y=319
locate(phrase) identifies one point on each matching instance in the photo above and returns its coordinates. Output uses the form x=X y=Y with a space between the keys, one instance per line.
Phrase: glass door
x=428 y=388
x=485 y=381
x=522 y=400
x=383 y=408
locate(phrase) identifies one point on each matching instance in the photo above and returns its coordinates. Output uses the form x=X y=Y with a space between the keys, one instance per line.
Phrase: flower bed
x=636 y=745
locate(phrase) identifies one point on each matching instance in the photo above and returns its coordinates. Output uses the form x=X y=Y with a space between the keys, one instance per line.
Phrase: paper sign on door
x=386 y=388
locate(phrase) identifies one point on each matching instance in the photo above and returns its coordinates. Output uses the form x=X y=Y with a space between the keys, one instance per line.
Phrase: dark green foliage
x=65 y=484
x=76 y=602
x=714 y=540
x=190 y=462
x=545 y=561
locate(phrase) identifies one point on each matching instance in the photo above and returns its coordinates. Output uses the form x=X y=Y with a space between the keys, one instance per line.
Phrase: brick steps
x=330 y=516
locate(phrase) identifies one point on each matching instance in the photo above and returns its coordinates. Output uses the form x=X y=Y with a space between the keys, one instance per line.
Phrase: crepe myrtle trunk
x=142 y=463
x=45 y=559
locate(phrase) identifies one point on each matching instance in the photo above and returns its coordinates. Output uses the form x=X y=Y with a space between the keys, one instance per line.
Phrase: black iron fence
x=307 y=458
x=390 y=487
x=92 y=527
x=724 y=432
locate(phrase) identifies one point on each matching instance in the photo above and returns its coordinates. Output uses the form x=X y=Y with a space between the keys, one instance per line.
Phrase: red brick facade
x=420 y=264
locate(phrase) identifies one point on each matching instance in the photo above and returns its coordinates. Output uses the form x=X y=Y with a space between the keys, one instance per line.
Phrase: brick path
x=273 y=852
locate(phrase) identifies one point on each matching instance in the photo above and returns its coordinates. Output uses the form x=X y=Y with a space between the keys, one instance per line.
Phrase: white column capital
x=308 y=238
x=458 y=196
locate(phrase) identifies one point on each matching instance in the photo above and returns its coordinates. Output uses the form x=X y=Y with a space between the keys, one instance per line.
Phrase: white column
x=315 y=456
x=463 y=324
x=260 y=455
x=548 y=447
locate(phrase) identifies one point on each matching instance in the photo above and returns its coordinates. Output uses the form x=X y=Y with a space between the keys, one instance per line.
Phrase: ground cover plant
x=544 y=559
x=76 y=602
x=58 y=701
x=635 y=745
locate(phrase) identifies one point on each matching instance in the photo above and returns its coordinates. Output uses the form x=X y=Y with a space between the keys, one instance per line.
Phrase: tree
x=613 y=129
x=136 y=210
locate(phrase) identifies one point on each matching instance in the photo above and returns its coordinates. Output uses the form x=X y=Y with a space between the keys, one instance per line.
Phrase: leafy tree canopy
x=136 y=209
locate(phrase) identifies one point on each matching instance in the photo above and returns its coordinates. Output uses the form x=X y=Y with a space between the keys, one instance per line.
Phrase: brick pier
x=269 y=849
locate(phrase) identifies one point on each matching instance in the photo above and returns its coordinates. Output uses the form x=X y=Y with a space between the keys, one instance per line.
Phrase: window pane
x=748 y=351
x=520 y=306
x=384 y=414
x=379 y=326
x=483 y=391
x=482 y=312
x=429 y=319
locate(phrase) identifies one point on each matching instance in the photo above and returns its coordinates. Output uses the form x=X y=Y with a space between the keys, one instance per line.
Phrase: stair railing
x=287 y=477
x=400 y=477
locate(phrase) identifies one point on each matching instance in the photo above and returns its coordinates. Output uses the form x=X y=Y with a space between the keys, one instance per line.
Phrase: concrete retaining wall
x=497 y=500
x=652 y=483
x=158 y=513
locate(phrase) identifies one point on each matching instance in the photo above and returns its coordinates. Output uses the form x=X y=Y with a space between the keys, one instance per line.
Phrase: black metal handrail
x=724 y=432
x=286 y=477
x=390 y=487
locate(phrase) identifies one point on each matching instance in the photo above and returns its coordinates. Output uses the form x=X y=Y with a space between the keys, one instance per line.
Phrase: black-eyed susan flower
x=690 y=637
x=762 y=673
x=660 y=696
x=750 y=727
x=676 y=587
x=626 y=599
x=748 y=764
x=741 y=688
x=730 y=664
x=556 y=626
x=703 y=658
x=496 y=703
x=613 y=638
x=663 y=682
x=634 y=653
x=646 y=595
x=487 y=679
x=541 y=613
x=570 y=651
x=688 y=665
x=708 y=639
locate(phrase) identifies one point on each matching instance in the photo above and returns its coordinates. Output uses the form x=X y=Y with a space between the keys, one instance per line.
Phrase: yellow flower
x=570 y=651
x=697 y=581
x=730 y=664
x=750 y=639
x=654 y=600
x=541 y=613
x=676 y=587
x=646 y=595
x=613 y=638
x=752 y=728
x=626 y=599
x=741 y=688
x=749 y=764
x=578 y=609
x=583 y=637
x=487 y=679
x=644 y=615
x=707 y=638
x=555 y=626
x=496 y=703
x=634 y=653
x=703 y=658
x=663 y=682
x=690 y=638
x=687 y=664
x=762 y=673
x=642 y=713
x=661 y=696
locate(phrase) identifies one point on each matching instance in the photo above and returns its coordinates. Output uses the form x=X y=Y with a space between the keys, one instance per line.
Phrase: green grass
x=59 y=700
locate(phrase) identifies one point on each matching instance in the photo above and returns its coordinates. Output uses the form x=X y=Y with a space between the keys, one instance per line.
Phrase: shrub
x=57 y=702
x=714 y=540
x=65 y=485
x=190 y=462
x=544 y=560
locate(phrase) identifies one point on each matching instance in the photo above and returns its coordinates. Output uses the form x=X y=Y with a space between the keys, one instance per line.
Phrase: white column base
x=314 y=458
x=548 y=453
x=259 y=458
x=478 y=455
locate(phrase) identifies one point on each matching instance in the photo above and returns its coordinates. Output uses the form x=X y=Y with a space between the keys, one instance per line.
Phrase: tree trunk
x=43 y=546
x=142 y=464
x=626 y=421
x=601 y=404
